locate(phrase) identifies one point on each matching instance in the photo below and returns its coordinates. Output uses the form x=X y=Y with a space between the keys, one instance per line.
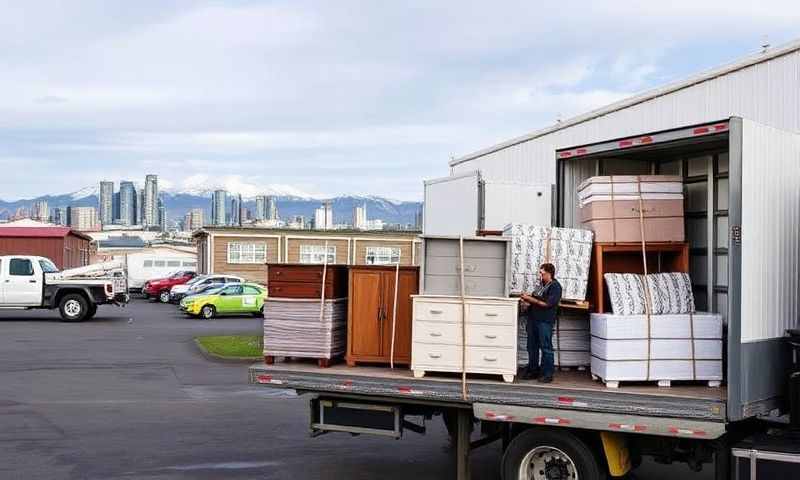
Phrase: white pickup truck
x=29 y=282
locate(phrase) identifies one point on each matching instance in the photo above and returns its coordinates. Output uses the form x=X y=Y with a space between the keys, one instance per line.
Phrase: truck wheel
x=208 y=311
x=163 y=297
x=73 y=307
x=539 y=454
x=92 y=311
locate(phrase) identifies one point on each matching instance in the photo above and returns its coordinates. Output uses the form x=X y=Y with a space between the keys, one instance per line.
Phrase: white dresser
x=491 y=334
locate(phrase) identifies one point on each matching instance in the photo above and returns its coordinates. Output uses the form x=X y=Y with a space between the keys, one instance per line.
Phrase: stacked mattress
x=610 y=206
x=293 y=328
x=568 y=249
x=571 y=340
x=680 y=346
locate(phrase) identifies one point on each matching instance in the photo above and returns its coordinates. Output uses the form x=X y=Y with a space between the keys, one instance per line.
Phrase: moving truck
x=742 y=187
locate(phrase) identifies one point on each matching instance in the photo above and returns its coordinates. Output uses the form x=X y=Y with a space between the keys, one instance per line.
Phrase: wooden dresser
x=305 y=281
x=370 y=309
x=491 y=335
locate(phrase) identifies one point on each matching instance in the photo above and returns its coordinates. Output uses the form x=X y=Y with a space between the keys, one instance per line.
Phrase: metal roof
x=122 y=242
x=745 y=62
x=40 y=232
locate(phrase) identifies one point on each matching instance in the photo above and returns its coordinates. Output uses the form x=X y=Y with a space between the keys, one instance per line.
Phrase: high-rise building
x=59 y=216
x=323 y=216
x=218 y=203
x=236 y=210
x=83 y=218
x=193 y=220
x=140 y=207
x=150 y=200
x=162 y=215
x=40 y=211
x=127 y=203
x=360 y=217
x=261 y=207
x=106 y=202
x=418 y=220
x=272 y=208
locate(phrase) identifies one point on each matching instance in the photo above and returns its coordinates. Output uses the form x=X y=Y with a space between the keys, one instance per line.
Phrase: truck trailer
x=742 y=186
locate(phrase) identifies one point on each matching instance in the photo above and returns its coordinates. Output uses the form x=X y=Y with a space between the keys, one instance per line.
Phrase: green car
x=232 y=299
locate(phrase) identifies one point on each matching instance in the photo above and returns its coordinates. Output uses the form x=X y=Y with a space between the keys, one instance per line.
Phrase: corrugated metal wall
x=768 y=93
x=770 y=225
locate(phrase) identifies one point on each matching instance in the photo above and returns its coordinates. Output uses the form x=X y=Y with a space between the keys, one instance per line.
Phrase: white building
x=323 y=217
x=360 y=217
x=106 y=202
x=193 y=220
x=150 y=201
x=40 y=211
x=83 y=219
x=218 y=207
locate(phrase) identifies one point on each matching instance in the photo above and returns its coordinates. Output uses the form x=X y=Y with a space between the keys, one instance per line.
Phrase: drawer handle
x=490 y=359
x=490 y=337
x=490 y=314
x=435 y=355
x=436 y=312
x=436 y=334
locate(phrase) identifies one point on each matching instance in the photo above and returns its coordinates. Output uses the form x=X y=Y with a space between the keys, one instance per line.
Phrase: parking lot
x=128 y=395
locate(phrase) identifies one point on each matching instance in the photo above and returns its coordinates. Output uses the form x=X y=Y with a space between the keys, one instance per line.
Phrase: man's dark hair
x=549 y=268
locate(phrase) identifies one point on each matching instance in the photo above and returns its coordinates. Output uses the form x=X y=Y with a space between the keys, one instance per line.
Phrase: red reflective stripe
x=626 y=143
x=551 y=421
x=580 y=151
x=347 y=383
x=684 y=431
x=646 y=140
x=701 y=130
x=721 y=126
x=620 y=426
x=264 y=378
x=565 y=399
x=565 y=154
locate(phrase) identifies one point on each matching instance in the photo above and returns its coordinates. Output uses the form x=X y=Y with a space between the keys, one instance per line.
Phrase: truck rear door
x=22 y=285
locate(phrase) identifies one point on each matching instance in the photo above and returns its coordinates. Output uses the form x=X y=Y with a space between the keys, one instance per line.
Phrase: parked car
x=229 y=299
x=160 y=287
x=189 y=288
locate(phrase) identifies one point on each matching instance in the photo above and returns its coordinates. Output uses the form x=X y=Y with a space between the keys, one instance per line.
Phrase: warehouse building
x=67 y=248
x=246 y=251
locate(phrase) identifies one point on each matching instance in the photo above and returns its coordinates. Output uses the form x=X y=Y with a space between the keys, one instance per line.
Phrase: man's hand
x=532 y=300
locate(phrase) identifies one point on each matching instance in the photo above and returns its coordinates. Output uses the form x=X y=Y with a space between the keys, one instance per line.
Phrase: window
x=383 y=255
x=189 y=264
x=48 y=266
x=232 y=290
x=247 y=252
x=159 y=263
x=316 y=254
x=20 y=266
x=232 y=280
x=173 y=263
x=248 y=290
x=148 y=264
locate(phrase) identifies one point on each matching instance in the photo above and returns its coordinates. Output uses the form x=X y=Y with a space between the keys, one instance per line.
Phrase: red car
x=159 y=287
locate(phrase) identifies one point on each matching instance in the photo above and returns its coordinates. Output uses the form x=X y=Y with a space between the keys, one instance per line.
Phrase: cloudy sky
x=327 y=97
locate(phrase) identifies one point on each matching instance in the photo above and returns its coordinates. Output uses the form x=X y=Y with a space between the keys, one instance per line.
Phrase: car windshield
x=48 y=266
x=177 y=274
x=214 y=290
x=195 y=280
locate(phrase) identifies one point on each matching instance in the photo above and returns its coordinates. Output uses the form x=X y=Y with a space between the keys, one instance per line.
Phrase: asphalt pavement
x=127 y=395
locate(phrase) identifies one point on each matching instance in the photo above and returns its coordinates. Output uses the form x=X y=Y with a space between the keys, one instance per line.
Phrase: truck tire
x=73 y=307
x=92 y=311
x=163 y=296
x=208 y=312
x=542 y=454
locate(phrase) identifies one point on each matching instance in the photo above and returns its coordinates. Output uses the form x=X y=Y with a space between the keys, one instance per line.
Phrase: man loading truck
x=541 y=315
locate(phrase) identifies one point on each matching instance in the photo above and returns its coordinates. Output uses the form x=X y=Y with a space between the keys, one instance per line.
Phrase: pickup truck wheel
x=91 y=312
x=73 y=307
x=208 y=311
x=540 y=454
x=163 y=297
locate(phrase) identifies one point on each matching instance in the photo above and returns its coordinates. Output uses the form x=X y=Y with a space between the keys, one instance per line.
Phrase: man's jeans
x=540 y=338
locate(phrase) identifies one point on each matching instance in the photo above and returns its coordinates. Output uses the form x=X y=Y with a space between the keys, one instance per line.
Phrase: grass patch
x=233 y=346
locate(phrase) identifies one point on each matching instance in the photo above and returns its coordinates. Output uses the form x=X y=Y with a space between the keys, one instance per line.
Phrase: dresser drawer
x=504 y=313
x=477 y=335
x=434 y=311
x=492 y=360
x=444 y=357
x=447 y=358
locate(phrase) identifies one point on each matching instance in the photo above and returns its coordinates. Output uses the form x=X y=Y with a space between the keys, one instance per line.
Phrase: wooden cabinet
x=370 y=309
x=490 y=331
x=305 y=281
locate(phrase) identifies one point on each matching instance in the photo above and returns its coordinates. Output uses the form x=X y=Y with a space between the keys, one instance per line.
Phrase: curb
x=219 y=358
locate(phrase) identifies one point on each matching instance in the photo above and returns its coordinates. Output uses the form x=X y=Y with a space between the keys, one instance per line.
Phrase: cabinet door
x=366 y=305
x=407 y=286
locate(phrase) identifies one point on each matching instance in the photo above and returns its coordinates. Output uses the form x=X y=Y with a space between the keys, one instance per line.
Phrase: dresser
x=487 y=267
x=491 y=335
x=370 y=310
x=305 y=281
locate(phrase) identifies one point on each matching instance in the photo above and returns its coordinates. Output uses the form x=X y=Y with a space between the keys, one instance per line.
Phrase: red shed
x=64 y=246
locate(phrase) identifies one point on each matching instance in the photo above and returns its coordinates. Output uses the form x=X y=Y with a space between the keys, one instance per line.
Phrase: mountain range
x=289 y=202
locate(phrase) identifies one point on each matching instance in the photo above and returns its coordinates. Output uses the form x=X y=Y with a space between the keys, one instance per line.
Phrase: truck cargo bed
x=571 y=390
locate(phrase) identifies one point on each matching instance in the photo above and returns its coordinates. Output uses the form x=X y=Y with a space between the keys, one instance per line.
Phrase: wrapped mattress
x=568 y=249
x=293 y=328
x=676 y=346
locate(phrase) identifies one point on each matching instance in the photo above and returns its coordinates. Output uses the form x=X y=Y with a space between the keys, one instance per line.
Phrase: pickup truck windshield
x=48 y=266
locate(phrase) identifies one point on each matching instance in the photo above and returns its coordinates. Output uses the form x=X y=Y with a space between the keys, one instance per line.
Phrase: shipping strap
x=558 y=336
x=463 y=318
x=613 y=212
x=324 y=278
x=647 y=298
x=691 y=337
x=394 y=313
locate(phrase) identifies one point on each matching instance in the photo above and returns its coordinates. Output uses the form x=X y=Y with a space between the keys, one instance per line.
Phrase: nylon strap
x=394 y=313
x=463 y=319
x=324 y=278
x=691 y=336
x=613 y=212
x=647 y=297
